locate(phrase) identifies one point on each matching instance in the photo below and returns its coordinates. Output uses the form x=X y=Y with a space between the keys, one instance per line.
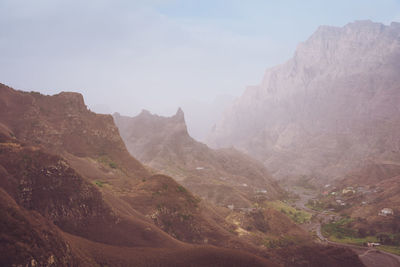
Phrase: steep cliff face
x=223 y=176
x=67 y=169
x=62 y=123
x=326 y=109
x=72 y=195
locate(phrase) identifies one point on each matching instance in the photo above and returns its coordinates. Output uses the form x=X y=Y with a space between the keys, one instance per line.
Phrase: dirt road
x=370 y=257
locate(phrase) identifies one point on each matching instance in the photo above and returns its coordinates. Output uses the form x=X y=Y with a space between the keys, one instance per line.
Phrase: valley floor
x=371 y=257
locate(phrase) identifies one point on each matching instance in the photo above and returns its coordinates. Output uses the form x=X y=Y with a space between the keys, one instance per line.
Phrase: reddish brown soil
x=71 y=195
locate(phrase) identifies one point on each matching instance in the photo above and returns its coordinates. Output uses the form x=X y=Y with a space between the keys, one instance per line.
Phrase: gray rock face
x=334 y=104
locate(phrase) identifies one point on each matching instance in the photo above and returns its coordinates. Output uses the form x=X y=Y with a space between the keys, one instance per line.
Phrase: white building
x=386 y=212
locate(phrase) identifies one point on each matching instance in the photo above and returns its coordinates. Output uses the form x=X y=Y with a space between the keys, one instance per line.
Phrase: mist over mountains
x=334 y=104
x=202 y=116
x=301 y=170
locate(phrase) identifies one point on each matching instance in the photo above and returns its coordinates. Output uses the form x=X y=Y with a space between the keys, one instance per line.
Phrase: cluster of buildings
x=350 y=190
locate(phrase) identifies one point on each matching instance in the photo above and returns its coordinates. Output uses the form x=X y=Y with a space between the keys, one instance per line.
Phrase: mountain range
x=325 y=112
x=224 y=177
x=72 y=195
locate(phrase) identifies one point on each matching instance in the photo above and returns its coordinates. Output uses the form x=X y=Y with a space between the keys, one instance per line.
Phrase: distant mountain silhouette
x=326 y=110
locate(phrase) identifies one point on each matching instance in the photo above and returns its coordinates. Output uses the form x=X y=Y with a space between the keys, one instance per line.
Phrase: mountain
x=72 y=195
x=326 y=110
x=224 y=177
x=64 y=166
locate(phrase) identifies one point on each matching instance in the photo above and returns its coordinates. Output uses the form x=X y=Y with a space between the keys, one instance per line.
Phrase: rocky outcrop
x=321 y=113
x=224 y=177
x=62 y=124
x=67 y=180
x=72 y=195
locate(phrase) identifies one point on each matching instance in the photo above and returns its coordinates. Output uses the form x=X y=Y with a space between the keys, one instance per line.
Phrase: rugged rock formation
x=72 y=195
x=335 y=103
x=224 y=176
x=66 y=168
x=62 y=124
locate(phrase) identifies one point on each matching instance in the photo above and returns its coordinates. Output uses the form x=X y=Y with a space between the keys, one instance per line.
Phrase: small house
x=372 y=244
x=386 y=212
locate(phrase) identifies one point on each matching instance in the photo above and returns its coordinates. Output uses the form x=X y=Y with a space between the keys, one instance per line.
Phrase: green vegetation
x=99 y=183
x=105 y=160
x=362 y=241
x=339 y=229
x=390 y=249
x=112 y=165
x=280 y=243
x=298 y=216
x=341 y=232
x=180 y=189
x=359 y=241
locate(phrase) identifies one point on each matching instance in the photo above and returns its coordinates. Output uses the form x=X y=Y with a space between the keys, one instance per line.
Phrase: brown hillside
x=126 y=187
x=20 y=229
x=47 y=190
x=224 y=176
x=62 y=123
x=67 y=169
x=377 y=186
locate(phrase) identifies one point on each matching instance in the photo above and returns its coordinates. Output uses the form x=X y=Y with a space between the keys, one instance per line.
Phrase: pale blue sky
x=128 y=55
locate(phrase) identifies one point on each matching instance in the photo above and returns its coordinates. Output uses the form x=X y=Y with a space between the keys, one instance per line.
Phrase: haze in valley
x=125 y=56
x=200 y=133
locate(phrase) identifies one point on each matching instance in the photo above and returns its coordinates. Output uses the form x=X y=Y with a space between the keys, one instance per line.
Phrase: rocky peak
x=145 y=113
x=150 y=128
x=341 y=83
x=358 y=47
x=69 y=102
x=175 y=123
x=180 y=116
x=344 y=44
x=62 y=122
x=72 y=97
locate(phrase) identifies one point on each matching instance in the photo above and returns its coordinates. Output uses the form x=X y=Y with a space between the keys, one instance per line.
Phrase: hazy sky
x=128 y=55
